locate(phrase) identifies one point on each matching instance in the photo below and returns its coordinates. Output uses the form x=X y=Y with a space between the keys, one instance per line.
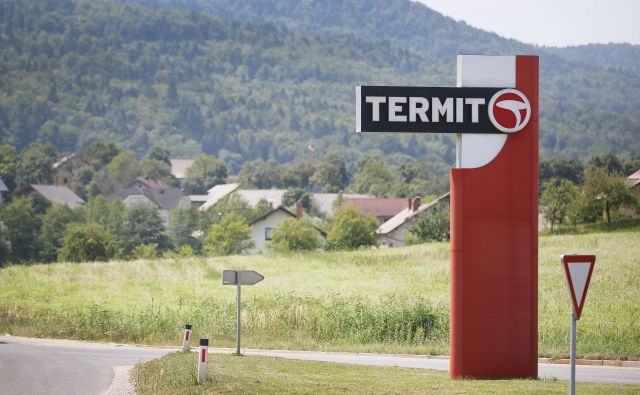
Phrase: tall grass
x=393 y=300
x=298 y=319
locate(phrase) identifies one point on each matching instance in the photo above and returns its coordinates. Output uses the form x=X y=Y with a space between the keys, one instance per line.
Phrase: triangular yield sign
x=577 y=270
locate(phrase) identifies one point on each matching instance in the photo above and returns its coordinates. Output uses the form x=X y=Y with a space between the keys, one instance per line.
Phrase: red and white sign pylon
x=203 y=358
x=185 y=338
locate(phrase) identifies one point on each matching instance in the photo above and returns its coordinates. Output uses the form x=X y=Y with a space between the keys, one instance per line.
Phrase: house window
x=267 y=233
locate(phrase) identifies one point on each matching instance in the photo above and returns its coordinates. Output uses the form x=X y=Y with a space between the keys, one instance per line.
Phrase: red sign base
x=494 y=254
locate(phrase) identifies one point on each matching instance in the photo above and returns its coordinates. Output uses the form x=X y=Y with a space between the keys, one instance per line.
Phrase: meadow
x=385 y=300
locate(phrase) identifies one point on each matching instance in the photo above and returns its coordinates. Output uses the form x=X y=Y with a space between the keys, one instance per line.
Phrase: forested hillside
x=238 y=87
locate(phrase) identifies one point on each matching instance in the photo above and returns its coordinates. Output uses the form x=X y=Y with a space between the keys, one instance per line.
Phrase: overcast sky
x=549 y=22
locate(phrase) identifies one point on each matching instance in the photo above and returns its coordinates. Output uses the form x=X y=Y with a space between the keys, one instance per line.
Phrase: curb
x=592 y=362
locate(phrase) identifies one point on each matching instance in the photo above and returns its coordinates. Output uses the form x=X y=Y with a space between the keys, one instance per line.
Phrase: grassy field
x=393 y=300
x=176 y=374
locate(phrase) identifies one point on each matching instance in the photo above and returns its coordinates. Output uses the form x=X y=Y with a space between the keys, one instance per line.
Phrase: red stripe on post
x=186 y=335
x=203 y=355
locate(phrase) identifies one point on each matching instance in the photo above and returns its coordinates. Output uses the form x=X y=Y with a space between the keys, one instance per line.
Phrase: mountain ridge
x=75 y=71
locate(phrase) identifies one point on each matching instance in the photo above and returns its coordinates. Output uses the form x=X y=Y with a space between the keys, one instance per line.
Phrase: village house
x=154 y=192
x=393 y=233
x=3 y=188
x=633 y=182
x=263 y=226
x=64 y=169
x=382 y=208
x=54 y=194
x=324 y=202
x=179 y=168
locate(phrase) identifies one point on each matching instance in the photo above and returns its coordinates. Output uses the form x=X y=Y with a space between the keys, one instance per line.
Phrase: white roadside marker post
x=203 y=358
x=577 y=271
x=185 y=337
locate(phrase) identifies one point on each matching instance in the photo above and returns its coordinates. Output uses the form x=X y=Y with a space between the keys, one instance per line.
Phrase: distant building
x=393 y=233
x=3 y=188
x=179 y=168
x=382 y=208
x=633 y=182
x=64 y=169
x=263 y=226
x=324 y=202
x=215 y=194
x=153 y=192
x=142 y=183
x=55 y=194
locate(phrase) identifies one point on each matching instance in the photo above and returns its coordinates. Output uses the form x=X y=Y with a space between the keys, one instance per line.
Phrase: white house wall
x=258 y=230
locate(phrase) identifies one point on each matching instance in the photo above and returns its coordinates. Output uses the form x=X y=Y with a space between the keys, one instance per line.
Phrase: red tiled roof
x=379 y=207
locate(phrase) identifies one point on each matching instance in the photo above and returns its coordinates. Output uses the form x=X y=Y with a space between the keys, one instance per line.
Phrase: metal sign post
x=577 y=270
x=238 y=292
x=573 y=353
x=239 y=278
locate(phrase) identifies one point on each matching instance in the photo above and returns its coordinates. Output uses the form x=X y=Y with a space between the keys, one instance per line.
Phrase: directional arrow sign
x=247 y=277
x=577 y=270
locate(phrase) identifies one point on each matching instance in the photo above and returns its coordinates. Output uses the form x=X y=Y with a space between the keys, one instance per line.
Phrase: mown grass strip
x=227 y=374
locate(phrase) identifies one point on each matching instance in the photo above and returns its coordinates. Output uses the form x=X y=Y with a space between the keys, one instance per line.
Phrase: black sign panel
x=424 y=109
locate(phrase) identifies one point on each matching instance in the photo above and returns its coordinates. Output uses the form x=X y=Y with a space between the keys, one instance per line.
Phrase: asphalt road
x=46 y=366
x=43 y=366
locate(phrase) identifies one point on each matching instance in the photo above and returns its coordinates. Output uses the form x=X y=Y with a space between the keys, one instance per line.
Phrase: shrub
x=295 y=235
x=351 y=230
x=431 y=224
x=87 y=242
x=145 y=251
x=230 y=236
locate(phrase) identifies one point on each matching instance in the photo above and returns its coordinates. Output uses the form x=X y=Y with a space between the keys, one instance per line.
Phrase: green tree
x=54 y=223
x=332 y=174
x=374 y=176
x=259 y=174
x=101 y=153
x=233 y=203
x=607 y=193
x=159 y=154
x=5 y=245
x=431 y=224
x=295 y=235
x=143 y=225
x=230 y=236
x=561 y=169
x=557 y=200
x=110 y=215
x=630 y=166
x=8 y=165
x=184 y=222
x=35 y=166
x=87 y=243
x=610 y=163
x=154 y=169
x=24 y=226
x=293 y=196
x=295 y=175
x=351 y=230
x=120 y=172
x=205 y=173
